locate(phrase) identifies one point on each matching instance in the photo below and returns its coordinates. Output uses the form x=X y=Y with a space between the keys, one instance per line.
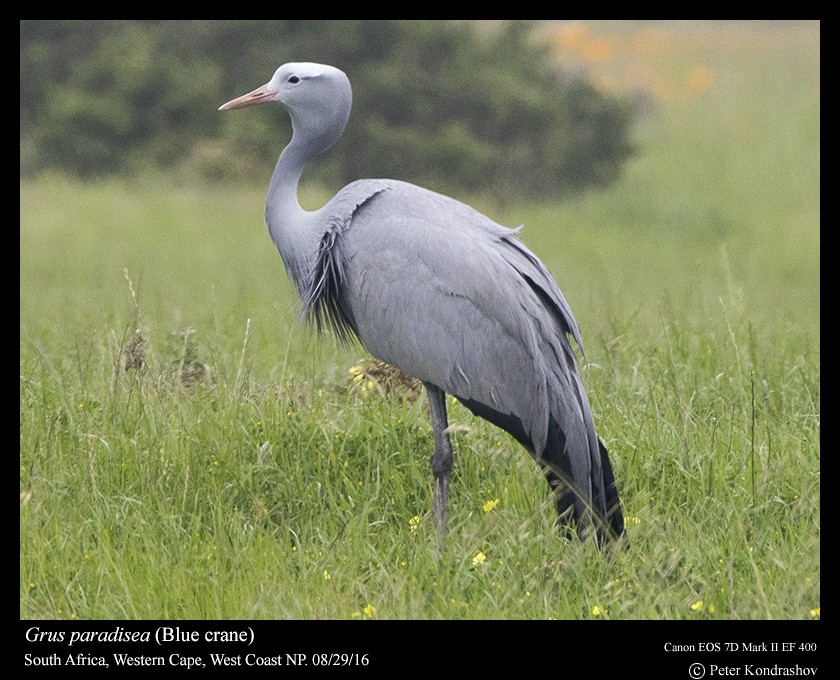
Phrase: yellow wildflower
x=489 y=505
x=815 y=613
x=480 y=558
x=413 y=523
x=368 y=611
x=697 y=606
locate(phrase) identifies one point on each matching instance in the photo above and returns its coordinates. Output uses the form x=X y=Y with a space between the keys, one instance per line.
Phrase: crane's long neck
x=295 y=231
x=286 y=219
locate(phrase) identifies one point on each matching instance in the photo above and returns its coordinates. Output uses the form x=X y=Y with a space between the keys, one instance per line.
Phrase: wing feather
x=454 y=299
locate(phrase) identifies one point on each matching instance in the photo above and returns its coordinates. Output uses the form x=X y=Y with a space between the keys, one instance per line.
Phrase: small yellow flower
x=294 y=548
x=815 y=613
x=403 y=563
x=489 y=505
x=413 y=523
x=631 y=519
x=697 y=606
x=597 y=611
x=480 y=558
x=368 y=611
x=711 y=608
x=357 y=372
x=327 y=576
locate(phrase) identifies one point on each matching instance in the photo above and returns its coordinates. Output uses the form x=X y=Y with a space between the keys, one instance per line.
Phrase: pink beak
x=258 y=96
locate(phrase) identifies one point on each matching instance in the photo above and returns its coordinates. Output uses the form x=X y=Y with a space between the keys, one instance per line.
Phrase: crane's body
x=442 y=292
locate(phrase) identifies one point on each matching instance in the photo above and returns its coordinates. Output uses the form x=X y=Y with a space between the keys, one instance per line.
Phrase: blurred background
x=677 y=151
x=475 y=105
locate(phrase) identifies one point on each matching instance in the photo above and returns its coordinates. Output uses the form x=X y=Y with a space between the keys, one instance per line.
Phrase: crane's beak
x=259 y=96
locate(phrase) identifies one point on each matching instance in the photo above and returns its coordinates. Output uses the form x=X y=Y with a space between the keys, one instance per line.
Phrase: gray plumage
x=442 y=292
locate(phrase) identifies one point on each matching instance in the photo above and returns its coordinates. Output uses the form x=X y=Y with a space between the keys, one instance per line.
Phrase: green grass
x=243 y=473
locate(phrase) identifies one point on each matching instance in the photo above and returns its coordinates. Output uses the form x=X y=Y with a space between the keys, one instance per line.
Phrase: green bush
x=440 y=103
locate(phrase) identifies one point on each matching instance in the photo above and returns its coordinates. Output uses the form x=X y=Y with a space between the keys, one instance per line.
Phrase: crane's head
x=317 y=97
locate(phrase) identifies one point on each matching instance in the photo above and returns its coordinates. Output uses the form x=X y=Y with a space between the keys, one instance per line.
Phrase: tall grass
x=188 y=450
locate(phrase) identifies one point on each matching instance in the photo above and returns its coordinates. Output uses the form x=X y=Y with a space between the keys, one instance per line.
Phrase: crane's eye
x=294 y=79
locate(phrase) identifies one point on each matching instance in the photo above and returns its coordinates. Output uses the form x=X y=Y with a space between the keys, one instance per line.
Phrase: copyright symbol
x=696 y=670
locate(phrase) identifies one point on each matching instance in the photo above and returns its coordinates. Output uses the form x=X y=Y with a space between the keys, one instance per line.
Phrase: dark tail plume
x=604 y=507
x=605 y=512
x=614 y=519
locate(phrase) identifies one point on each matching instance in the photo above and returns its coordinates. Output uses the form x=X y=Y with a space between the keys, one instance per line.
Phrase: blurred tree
x=440 y=103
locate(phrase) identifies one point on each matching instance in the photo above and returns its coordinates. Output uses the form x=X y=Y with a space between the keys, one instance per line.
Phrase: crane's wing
x=439 y=290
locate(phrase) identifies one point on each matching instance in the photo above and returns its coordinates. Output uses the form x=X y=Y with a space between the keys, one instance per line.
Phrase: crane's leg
x=441 y=460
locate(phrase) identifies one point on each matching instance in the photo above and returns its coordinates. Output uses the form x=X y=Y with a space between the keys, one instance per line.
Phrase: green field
x=189 y=450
